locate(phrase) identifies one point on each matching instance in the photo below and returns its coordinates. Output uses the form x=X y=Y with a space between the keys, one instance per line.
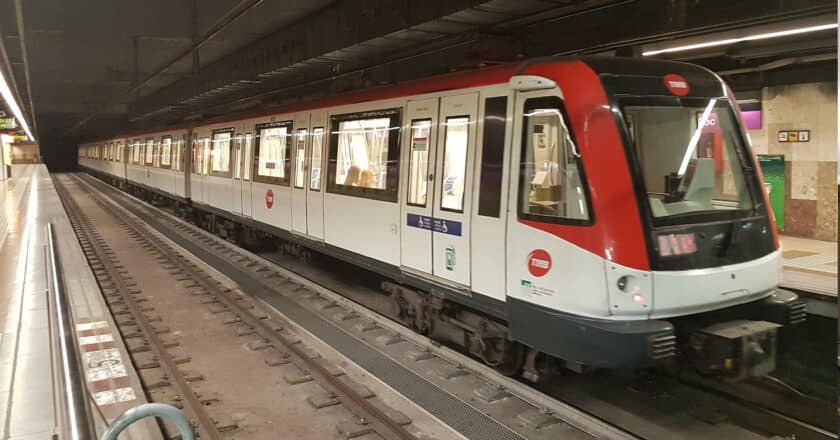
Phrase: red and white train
x=606 y=212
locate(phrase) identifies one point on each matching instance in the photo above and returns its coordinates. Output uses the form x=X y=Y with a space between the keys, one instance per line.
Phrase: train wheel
x=504 y=355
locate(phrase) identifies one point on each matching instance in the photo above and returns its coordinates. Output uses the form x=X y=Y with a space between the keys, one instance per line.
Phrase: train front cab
x=666 y=244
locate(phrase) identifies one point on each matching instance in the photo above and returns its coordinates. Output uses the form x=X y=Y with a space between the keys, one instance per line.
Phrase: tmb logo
x=676 y=84
x=269 y=199
x=539 y=262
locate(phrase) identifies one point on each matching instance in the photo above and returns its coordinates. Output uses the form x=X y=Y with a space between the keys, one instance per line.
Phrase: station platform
x=28 y=392
x=809 y=265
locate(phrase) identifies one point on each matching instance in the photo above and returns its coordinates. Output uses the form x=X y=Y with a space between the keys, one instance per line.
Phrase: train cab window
x=316 y=158
x=300 y=158
x=418 y=162
x=273 y=151
x=551 y=177
x=364 y=154
x=249 y=142
x=150 y=152
x=455 y=144
x=220 y=152
x=166 y=152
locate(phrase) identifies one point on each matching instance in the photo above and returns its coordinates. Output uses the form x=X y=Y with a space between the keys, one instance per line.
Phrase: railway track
x=163 y=371
x=725 y=413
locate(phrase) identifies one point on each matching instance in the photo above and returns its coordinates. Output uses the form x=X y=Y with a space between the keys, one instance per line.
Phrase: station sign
x=7 y=123
x=795 y=136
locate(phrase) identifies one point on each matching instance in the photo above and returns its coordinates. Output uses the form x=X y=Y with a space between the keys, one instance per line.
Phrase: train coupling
x=735 y=350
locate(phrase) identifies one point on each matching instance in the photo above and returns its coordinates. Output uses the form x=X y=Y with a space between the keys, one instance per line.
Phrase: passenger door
x=453 y=182
x=300 y=185
x=419 y=145
x=316 y=165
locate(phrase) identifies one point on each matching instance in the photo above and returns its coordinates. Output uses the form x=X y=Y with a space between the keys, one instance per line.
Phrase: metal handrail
x=74 y=416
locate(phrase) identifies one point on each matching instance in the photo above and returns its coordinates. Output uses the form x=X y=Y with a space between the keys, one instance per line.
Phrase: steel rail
x=75 y=421
x=206 y=426
x=383 y=424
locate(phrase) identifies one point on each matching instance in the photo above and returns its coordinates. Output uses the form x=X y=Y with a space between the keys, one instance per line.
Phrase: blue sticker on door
x=450 y=227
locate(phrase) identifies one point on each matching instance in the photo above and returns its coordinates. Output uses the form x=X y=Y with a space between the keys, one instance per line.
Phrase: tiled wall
x=810 y=167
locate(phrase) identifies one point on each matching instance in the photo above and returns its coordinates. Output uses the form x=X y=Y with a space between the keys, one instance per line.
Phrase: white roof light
x=726 y=41
x=12 y=104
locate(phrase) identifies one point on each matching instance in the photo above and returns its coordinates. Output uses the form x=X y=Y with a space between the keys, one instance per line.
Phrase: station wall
x=811 y=176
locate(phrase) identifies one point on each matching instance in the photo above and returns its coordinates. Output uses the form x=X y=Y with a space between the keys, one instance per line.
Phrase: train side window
x=455 y=143
x=249 y=159
x=551 y=187
x=364 y=154
x=119 y=152
x=166 y=152
x=220 y=152
x=300 y=158
x=273 y=152
x=150 y=152
x=138 y=152
x=418 y=162
x=316 y=160
x=492 y=156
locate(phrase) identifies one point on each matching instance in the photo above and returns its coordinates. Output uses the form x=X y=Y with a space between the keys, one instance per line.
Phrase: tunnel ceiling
x=96 y=68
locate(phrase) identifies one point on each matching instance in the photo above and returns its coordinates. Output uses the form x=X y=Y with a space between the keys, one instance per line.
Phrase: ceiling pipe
x=25 y=55
x=232 y=15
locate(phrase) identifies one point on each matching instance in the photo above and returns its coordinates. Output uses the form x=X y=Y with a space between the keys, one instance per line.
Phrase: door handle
x=431 y=177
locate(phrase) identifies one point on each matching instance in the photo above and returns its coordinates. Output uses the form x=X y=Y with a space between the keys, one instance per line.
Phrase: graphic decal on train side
x=450 y=227
x=269 y=199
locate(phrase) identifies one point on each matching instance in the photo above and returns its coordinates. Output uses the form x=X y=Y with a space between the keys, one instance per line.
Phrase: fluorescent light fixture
x=764 y=36
x=10 y=101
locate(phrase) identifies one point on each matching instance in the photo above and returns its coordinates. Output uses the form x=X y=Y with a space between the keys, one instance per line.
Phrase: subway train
x=587 y=212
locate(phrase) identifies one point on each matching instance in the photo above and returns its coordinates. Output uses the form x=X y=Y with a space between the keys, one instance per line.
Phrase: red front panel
x=617 y=234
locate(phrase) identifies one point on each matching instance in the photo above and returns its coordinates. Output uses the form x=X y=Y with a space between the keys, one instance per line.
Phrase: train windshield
x=692 y=159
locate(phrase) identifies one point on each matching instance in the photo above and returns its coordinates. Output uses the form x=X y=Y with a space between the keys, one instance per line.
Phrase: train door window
x=196 y=155
x=205 y=156
x=418 y=162
x=300 y=158
x=551 y=185
x=273 y=151
x=156 y=154
x=454 y=163
x=150 y=152
x=220 y=152
x=492 y=156
x=316 y=159
x=176 y=161
x=364 y=154
x=166 y=152
x=249 y=160
x=237 y=157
